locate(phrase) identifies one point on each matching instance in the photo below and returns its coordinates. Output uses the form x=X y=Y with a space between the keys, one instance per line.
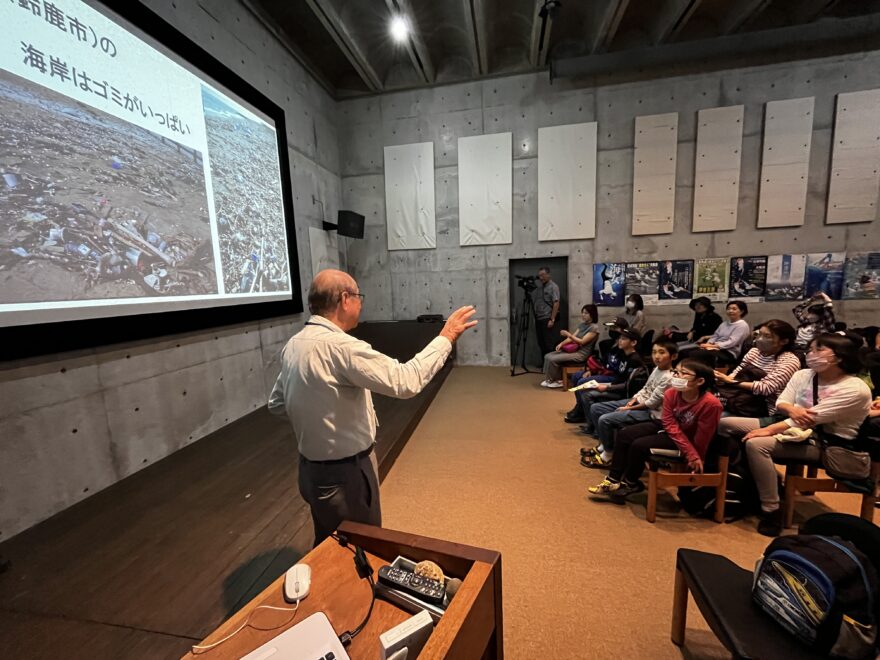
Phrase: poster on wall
x=748 y=278
x=643 y=278
x=825 y=274
x=676 y=281
x=609 y=282
x=861 y=276
x=785 y=276
x=711 y=277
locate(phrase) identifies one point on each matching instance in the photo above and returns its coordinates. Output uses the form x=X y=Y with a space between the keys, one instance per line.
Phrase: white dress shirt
x=325 y=383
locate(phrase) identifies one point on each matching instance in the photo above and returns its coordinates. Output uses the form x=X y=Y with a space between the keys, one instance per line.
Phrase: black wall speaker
x=350 y=224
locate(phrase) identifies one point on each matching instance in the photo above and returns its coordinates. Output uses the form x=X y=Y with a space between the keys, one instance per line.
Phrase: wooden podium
x=471 y=627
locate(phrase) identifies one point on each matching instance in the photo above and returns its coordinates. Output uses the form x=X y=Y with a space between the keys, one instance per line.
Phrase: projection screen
x=134 y=179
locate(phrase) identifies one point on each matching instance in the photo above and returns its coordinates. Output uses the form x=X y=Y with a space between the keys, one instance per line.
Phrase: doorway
x=529 y=267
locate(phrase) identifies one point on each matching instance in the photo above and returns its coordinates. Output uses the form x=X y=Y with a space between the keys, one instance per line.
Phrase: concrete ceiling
x=347 y=46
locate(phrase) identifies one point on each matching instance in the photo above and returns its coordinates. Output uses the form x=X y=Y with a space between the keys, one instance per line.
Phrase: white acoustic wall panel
x=654 y=157
x=324 y=248
x=567 y=182
x=855 y=160
x=716 y=171
x=485 y=189
x=785 y=162
x=409 y=196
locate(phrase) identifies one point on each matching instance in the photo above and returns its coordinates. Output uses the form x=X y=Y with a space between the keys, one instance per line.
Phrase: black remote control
x=417 y=585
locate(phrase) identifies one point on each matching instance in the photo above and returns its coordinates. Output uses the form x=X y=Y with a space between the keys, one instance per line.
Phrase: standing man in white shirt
x=325 y=386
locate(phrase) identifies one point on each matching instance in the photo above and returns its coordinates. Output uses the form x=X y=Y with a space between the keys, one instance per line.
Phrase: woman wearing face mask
x=840 y=406
x=814 y=316
x=635 y=314
x=689 y=422
x=764 y=371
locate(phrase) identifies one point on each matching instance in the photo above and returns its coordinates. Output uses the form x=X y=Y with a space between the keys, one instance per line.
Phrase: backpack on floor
x=822 y=590
x=740 y=498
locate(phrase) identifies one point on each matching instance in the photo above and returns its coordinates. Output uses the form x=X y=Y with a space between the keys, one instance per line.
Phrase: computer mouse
x=297 y=581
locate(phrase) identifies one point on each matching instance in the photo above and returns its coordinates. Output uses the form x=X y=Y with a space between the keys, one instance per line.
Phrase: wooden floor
x=151 y=565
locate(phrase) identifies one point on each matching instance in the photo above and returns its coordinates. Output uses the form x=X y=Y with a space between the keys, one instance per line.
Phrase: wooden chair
x=798 y=484
x=666 y=471
x=568 y=370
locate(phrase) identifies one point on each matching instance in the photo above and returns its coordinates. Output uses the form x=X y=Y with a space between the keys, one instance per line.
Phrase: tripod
x=521 y=323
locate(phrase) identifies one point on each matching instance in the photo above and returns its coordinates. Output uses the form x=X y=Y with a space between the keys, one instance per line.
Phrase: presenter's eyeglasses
x=362 y=296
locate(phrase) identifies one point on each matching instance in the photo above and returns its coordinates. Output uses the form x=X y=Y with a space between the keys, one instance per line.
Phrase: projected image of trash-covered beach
x=243 y=160
x=93 y=207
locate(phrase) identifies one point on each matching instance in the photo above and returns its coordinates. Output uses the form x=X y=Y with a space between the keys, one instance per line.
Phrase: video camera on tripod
x=519 y=322
x=526 y=282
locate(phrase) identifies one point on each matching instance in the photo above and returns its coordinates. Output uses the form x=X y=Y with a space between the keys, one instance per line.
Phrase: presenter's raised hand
x=458 y=322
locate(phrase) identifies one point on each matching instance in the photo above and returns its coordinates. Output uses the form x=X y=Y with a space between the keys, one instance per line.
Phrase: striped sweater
x=779 y=369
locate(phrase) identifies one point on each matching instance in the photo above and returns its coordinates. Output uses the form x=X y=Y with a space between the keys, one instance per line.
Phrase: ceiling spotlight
x=399 y=29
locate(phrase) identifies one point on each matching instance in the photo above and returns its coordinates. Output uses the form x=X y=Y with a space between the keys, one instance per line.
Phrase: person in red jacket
x=689 y=422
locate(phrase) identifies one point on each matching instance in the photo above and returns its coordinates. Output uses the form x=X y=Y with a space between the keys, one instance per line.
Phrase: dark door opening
x=529 y=267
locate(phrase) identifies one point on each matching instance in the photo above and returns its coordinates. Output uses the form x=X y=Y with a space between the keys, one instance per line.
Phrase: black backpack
x=741 y=495
x=740 y=498
x=821 y=589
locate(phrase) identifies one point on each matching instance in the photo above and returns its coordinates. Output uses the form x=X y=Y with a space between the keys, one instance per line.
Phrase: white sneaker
x=546 y=383
x=555 y=384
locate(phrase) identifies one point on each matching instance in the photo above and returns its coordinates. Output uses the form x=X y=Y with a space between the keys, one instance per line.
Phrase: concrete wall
x=403 y=284
x=73 y=424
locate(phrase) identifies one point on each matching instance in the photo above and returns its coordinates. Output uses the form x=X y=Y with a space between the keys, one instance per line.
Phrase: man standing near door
x=546 y=310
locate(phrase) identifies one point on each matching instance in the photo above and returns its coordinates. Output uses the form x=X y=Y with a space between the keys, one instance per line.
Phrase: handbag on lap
x=842 y=458
x=740 y=402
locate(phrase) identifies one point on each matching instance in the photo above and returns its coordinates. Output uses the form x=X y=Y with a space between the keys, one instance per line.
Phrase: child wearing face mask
x=839 y=405
x=635 y=314
x=688 y=423
x=814 y=316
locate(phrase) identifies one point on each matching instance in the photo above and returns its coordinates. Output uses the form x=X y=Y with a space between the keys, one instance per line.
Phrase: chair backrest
x=646 y=342
x=636 y=380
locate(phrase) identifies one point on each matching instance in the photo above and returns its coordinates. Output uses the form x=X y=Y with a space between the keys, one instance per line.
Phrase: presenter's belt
x=347 y=459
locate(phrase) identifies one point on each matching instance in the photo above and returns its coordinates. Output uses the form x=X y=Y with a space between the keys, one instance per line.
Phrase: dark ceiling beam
x=540 y=40
x=809 y=10
x=603 y=19
x=739 y=13
x=475 y=27
x=334 y=24
x=673 y=16
x=271 y=24
x=849 y=35
x=415 y=45
x=535 y=40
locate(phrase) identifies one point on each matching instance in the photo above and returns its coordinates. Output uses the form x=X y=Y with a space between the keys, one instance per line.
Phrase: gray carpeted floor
x=492 y=464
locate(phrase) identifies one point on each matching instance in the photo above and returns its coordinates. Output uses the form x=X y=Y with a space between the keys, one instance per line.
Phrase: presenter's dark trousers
x=346 y=489
x=545 y=336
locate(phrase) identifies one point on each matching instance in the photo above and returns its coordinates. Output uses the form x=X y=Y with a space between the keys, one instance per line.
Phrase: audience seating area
x=765 y=345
